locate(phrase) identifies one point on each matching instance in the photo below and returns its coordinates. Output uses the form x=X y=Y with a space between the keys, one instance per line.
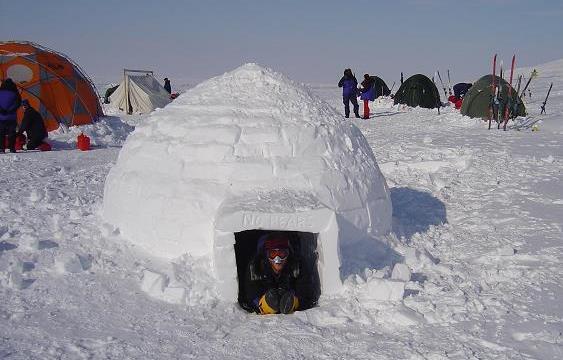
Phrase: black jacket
x=32 y=124
x=167 y=86
x=260 y=278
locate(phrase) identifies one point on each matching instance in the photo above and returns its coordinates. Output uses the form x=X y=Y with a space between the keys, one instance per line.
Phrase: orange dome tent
x=53 y=84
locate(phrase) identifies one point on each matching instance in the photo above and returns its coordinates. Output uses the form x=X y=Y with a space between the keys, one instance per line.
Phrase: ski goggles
x=277 y=254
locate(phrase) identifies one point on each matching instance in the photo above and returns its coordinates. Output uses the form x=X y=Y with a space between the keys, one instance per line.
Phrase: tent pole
x=126 y=83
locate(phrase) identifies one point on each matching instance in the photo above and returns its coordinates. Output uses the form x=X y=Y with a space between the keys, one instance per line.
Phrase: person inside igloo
x=276 y=282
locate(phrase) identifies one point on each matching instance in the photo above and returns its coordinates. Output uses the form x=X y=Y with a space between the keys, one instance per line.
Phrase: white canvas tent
x=139 y=92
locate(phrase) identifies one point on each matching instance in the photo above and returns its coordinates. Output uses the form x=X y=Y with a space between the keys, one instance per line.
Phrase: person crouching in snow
x=275 y=281
x=367 y=93
x=348 y=83
x=34 y=127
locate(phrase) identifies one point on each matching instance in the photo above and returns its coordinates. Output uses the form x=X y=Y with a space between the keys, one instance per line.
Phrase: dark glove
x=273 y=299
x=288 y=302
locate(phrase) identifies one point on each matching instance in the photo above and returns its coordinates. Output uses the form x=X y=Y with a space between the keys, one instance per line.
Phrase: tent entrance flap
x=304 y=245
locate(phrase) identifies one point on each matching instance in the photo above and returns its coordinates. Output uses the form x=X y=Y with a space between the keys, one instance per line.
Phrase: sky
x=309 y=41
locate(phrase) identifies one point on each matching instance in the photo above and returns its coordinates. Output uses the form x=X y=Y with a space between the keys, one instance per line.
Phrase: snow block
x=401 y=272
x=384 y=290
x=68 y=262
x=153 y=283
x=506 y=251
x=174 y=295
x=29 y=242
x=12 y=279
x=247 y=150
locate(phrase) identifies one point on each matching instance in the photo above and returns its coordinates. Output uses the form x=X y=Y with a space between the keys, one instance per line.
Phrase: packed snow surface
x=477 y=226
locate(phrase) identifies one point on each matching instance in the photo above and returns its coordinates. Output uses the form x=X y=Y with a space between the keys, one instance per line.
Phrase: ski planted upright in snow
x=516 y=104
x=545 y=101
x=508 y=105
x=493 y=92
x=449 y=84
x=443 y=86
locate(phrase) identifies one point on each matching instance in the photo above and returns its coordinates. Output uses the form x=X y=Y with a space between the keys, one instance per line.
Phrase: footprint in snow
x=5 y=246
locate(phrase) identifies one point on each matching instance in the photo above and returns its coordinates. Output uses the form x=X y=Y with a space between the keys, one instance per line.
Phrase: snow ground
x=478 y=219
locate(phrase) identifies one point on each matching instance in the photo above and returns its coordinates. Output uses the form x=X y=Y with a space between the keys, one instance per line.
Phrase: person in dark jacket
x=167 y=86
x=367 y=93
x=461 y=89
x=275 y=280
x=10 y=101
x=34 y=127
x=109 y=92
x=349 y=86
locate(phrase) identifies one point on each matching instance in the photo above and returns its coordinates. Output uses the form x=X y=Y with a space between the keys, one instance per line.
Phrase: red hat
x=276 y=243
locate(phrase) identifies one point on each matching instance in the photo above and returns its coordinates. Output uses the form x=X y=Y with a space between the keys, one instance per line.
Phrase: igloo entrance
x=304 y=245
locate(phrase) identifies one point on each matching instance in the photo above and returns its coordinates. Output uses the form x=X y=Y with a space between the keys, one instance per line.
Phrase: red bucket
x=83 y=142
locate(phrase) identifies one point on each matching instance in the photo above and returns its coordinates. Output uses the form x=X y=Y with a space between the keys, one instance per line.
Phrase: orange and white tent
x=53 y=84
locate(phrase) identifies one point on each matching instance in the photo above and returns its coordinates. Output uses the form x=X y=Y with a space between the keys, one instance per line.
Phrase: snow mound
x=249 y=149
x=108 y=131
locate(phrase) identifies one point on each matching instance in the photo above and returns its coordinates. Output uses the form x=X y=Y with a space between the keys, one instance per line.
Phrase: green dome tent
x=381 y=88
x=418 y=90
x=477 y=101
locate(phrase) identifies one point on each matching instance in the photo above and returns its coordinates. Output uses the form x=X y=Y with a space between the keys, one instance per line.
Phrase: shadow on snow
x=415 y=211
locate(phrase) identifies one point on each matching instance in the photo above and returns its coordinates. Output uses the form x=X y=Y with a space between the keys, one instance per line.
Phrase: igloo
x=238 y=155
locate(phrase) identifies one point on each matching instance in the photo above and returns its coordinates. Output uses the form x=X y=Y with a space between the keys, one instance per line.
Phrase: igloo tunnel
x=241 y=154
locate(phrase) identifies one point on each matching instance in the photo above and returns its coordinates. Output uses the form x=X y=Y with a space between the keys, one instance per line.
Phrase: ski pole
x=527 y=84
x=391 y=91
x=545 y=101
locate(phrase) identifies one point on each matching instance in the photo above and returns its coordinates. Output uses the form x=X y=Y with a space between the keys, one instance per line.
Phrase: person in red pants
x=367 y=93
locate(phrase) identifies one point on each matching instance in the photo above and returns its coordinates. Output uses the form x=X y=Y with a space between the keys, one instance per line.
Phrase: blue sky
x=310 y=41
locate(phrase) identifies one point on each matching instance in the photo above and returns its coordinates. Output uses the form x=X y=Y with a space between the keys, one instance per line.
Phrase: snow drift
x=244 y=151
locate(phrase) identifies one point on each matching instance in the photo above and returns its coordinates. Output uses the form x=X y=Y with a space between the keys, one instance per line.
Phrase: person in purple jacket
x=367 y=93
x=10 y=101
x=349 y=86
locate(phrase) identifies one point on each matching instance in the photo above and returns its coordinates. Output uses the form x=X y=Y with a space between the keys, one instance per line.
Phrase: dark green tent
x=381 y=88
x=477 y=101
x=418 y=90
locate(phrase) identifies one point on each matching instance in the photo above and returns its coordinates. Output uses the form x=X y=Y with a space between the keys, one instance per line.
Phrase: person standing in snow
x=167 y=86
x=34 y=127
x=10 y=101
x=275 y=281
x=367 y=93
x=349 y=85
